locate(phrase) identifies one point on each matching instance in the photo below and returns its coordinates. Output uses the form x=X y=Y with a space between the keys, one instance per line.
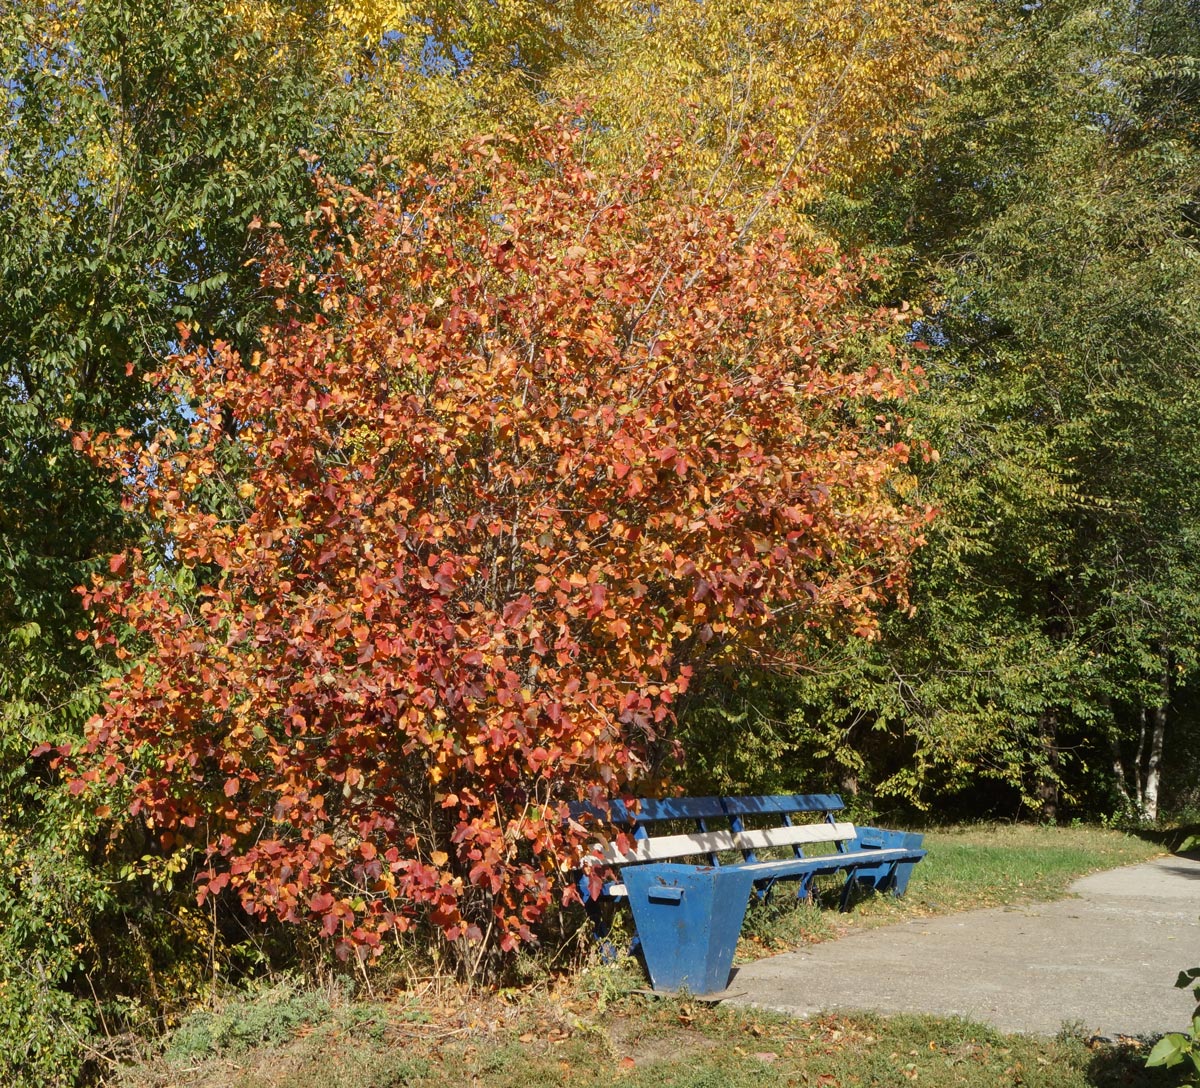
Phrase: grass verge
x=583 y=1040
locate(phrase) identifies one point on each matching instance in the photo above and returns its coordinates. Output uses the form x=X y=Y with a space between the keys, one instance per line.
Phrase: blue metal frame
x=688 y=916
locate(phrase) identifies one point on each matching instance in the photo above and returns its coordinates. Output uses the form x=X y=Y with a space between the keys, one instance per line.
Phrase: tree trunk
x=1154 y=767
x=1131 y=806
x=1047 y=787
x=1149 y=797
x=1139 y=791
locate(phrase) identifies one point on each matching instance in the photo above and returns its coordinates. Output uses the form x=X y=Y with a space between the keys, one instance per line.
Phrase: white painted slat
x=763 y=837
x=665 y=847
x=669 y=846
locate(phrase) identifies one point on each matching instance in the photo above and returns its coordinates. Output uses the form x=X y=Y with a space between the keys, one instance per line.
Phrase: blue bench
x=688 y=891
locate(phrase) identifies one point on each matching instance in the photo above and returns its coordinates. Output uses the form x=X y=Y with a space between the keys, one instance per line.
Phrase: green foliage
x=1181 y=1048
x=138 y=141
x=48 y=894
x=1047 y=224
x=141 y=140
x=1190 y=979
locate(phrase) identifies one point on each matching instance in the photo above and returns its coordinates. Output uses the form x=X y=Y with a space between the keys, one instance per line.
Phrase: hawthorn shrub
x=525 y=447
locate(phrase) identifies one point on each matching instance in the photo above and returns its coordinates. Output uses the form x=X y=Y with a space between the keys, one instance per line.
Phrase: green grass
x=996 y=865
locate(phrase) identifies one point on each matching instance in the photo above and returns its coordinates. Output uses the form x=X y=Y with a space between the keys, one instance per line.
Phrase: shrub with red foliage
x=525 y=446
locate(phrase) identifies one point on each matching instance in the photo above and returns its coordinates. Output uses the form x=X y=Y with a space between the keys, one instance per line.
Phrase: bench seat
x=787 y=869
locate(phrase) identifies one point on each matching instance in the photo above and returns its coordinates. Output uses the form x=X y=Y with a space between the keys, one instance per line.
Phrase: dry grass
x=575 y=1040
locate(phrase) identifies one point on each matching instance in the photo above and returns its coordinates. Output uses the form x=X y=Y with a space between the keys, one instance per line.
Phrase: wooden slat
x=669 y=846
x=763 y=837
x=665 y=847
x=651 y=810
x=648 y=810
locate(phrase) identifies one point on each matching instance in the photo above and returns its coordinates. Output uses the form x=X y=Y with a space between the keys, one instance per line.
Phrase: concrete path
x=1105 y=959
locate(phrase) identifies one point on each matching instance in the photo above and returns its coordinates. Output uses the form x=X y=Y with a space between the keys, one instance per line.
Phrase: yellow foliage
x=433 y=72
x=776 y=99
x=779 y=98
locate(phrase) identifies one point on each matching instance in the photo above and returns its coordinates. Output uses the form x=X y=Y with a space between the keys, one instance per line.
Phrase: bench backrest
x=634 y=819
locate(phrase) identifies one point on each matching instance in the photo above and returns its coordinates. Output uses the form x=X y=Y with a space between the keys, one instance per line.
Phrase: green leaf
x=1170 y=1050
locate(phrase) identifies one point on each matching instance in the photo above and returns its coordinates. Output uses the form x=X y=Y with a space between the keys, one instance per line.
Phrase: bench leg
x=900 y=879
x=887 y=877
x=688 y=920
x=600 y=913
x=804 y=888
x=847 y=891
x=595 y=913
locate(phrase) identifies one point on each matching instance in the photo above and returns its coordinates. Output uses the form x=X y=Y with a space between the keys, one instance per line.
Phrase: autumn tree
x=528 y=445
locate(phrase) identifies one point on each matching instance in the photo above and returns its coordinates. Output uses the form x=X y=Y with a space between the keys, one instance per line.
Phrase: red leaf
x=319 y=904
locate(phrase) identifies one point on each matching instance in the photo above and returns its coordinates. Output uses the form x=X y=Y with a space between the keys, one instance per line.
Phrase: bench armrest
x=880 y=838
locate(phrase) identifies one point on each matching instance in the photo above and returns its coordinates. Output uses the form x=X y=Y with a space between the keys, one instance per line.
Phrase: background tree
x=776 y=100
x=1048 y=221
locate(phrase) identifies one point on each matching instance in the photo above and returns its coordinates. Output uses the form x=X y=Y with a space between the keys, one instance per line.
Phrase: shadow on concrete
x=1184 y=870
